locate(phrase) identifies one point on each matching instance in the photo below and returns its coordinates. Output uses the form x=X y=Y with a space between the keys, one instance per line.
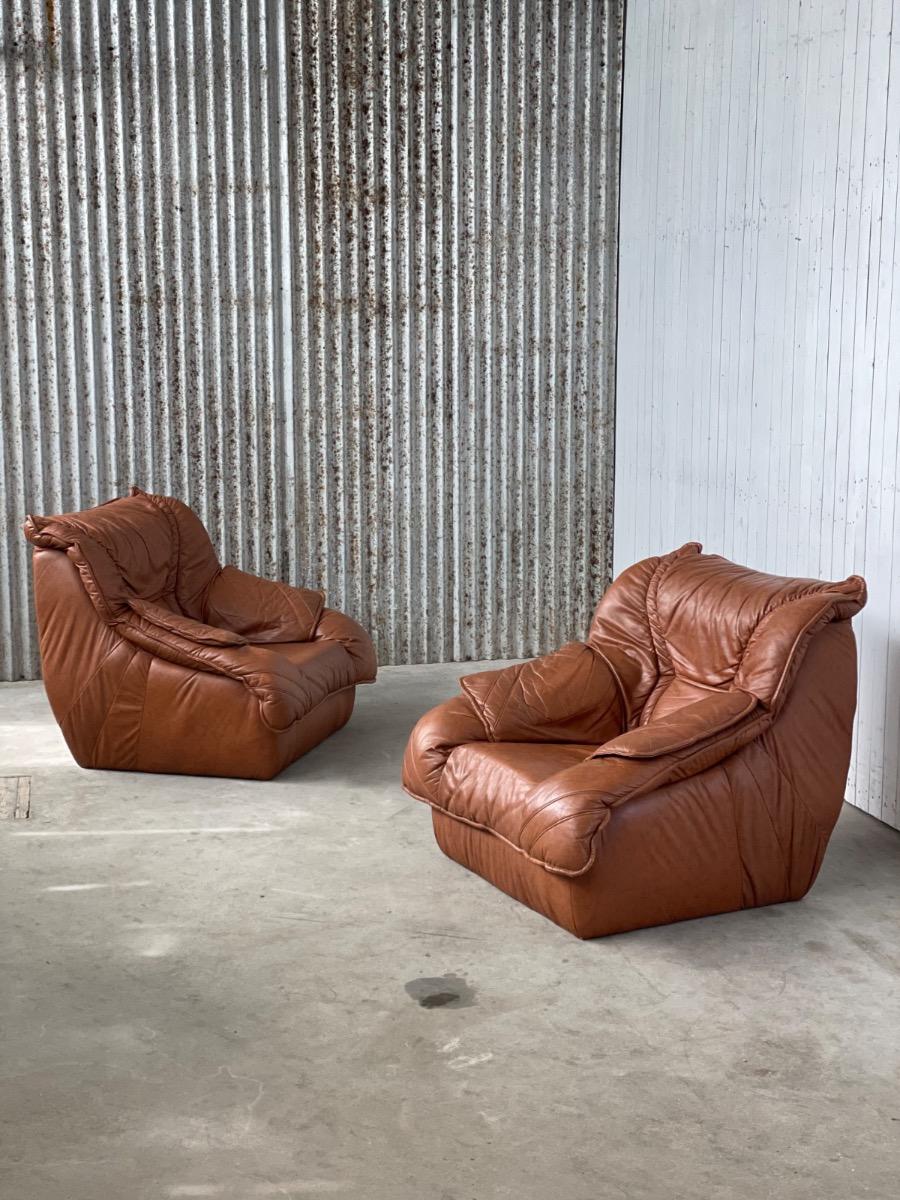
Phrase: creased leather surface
x=718 y=790
x=569 y=696
x=157 y=658
x=262 y=610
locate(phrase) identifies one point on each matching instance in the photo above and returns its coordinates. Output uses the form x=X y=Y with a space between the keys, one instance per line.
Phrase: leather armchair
x=157 y=658
x=689 y=758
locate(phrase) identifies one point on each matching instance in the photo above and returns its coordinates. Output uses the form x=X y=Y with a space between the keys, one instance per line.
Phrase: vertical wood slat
x=759 y=310
x=341 y=275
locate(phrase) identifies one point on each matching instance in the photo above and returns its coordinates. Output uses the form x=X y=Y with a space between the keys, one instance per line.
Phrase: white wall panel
x=339 y=274
x=759 y=309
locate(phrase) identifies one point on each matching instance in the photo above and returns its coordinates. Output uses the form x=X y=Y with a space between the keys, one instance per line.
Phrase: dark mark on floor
x=442 y=991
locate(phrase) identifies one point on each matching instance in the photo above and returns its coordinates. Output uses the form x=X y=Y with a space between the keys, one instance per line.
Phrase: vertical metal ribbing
x=470 y=467
x=399 y=55
x=175 y=163
x=388 y=553
x=85 y=388
x=26 y=425
x=284 y=499
x=517 y=538
x=486 y=439
x=267 y=467
x=420 y=617
x=502 y=435
x=319 y=475
x=435 y=590
x=234 y=251
x=300 y=208
x=161 y=393
x=547 y=426
x=13 y=592
x=195 y=427
x=47 y=408
x=137 y=134
x=120 y=441
x=563 y=388
x=93 y=155
x=451 y=305
x=534 y=451
x=582 y=406
x=335 y=308
x=213 y=306
x=338 y=274
x=369 y=566
x=349 y=201
x=60 y=293
x=607 y=92
x=249 y=294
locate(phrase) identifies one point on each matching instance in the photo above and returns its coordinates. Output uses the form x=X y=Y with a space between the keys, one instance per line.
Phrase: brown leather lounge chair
x=688 y=759
x=157 y=658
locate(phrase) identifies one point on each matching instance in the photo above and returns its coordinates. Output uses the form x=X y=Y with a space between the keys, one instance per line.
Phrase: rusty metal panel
x=341 y=276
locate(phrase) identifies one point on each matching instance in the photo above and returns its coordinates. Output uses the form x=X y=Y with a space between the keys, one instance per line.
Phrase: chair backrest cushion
x=150 y=547
x=678 y=625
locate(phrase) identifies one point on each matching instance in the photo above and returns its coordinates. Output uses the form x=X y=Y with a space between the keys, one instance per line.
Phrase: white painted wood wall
x=759 y=309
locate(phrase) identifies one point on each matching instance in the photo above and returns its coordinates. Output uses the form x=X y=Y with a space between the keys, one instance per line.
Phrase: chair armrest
x=338 y=627
x=685 y=727
x=193 y=631
x=570 y=695
x=284 y=694
x=565 y=813
x=434 y=738
x=261 y=610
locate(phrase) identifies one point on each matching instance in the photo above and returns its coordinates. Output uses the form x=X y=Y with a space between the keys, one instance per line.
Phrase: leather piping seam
x=140 y=733
x=787 y=779
x=615 y=674
x=173 y=570
x=90 y=680
x=112 y=703
x=572 y=911
x=785 y=858
x=686 y=742
x=479 y=706
x=808 y=629
x=293 y=604
x=743 y=873
x=660 y=646
x=476 y=712
x=538 y=862
x=517 y=673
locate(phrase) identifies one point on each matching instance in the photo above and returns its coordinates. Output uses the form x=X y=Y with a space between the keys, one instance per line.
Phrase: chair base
x=607 y=899
x=245 y=749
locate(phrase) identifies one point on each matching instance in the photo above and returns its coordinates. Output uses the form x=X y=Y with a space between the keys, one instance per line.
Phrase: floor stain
x=442 y=991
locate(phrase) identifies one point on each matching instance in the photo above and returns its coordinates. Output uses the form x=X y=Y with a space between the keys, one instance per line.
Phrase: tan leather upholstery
x=158 y=658
x=690 y=758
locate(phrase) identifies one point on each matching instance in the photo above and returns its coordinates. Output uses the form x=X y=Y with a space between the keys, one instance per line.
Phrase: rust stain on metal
x=341 y=274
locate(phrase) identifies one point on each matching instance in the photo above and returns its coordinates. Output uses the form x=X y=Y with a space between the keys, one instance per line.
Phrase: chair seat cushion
x=487 y=783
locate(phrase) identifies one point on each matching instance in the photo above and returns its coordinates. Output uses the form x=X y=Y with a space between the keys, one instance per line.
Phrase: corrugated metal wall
x=341 y=275
x=759 y=309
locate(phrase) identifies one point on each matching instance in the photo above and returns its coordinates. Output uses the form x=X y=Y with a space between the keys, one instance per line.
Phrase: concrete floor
x=214 y=988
